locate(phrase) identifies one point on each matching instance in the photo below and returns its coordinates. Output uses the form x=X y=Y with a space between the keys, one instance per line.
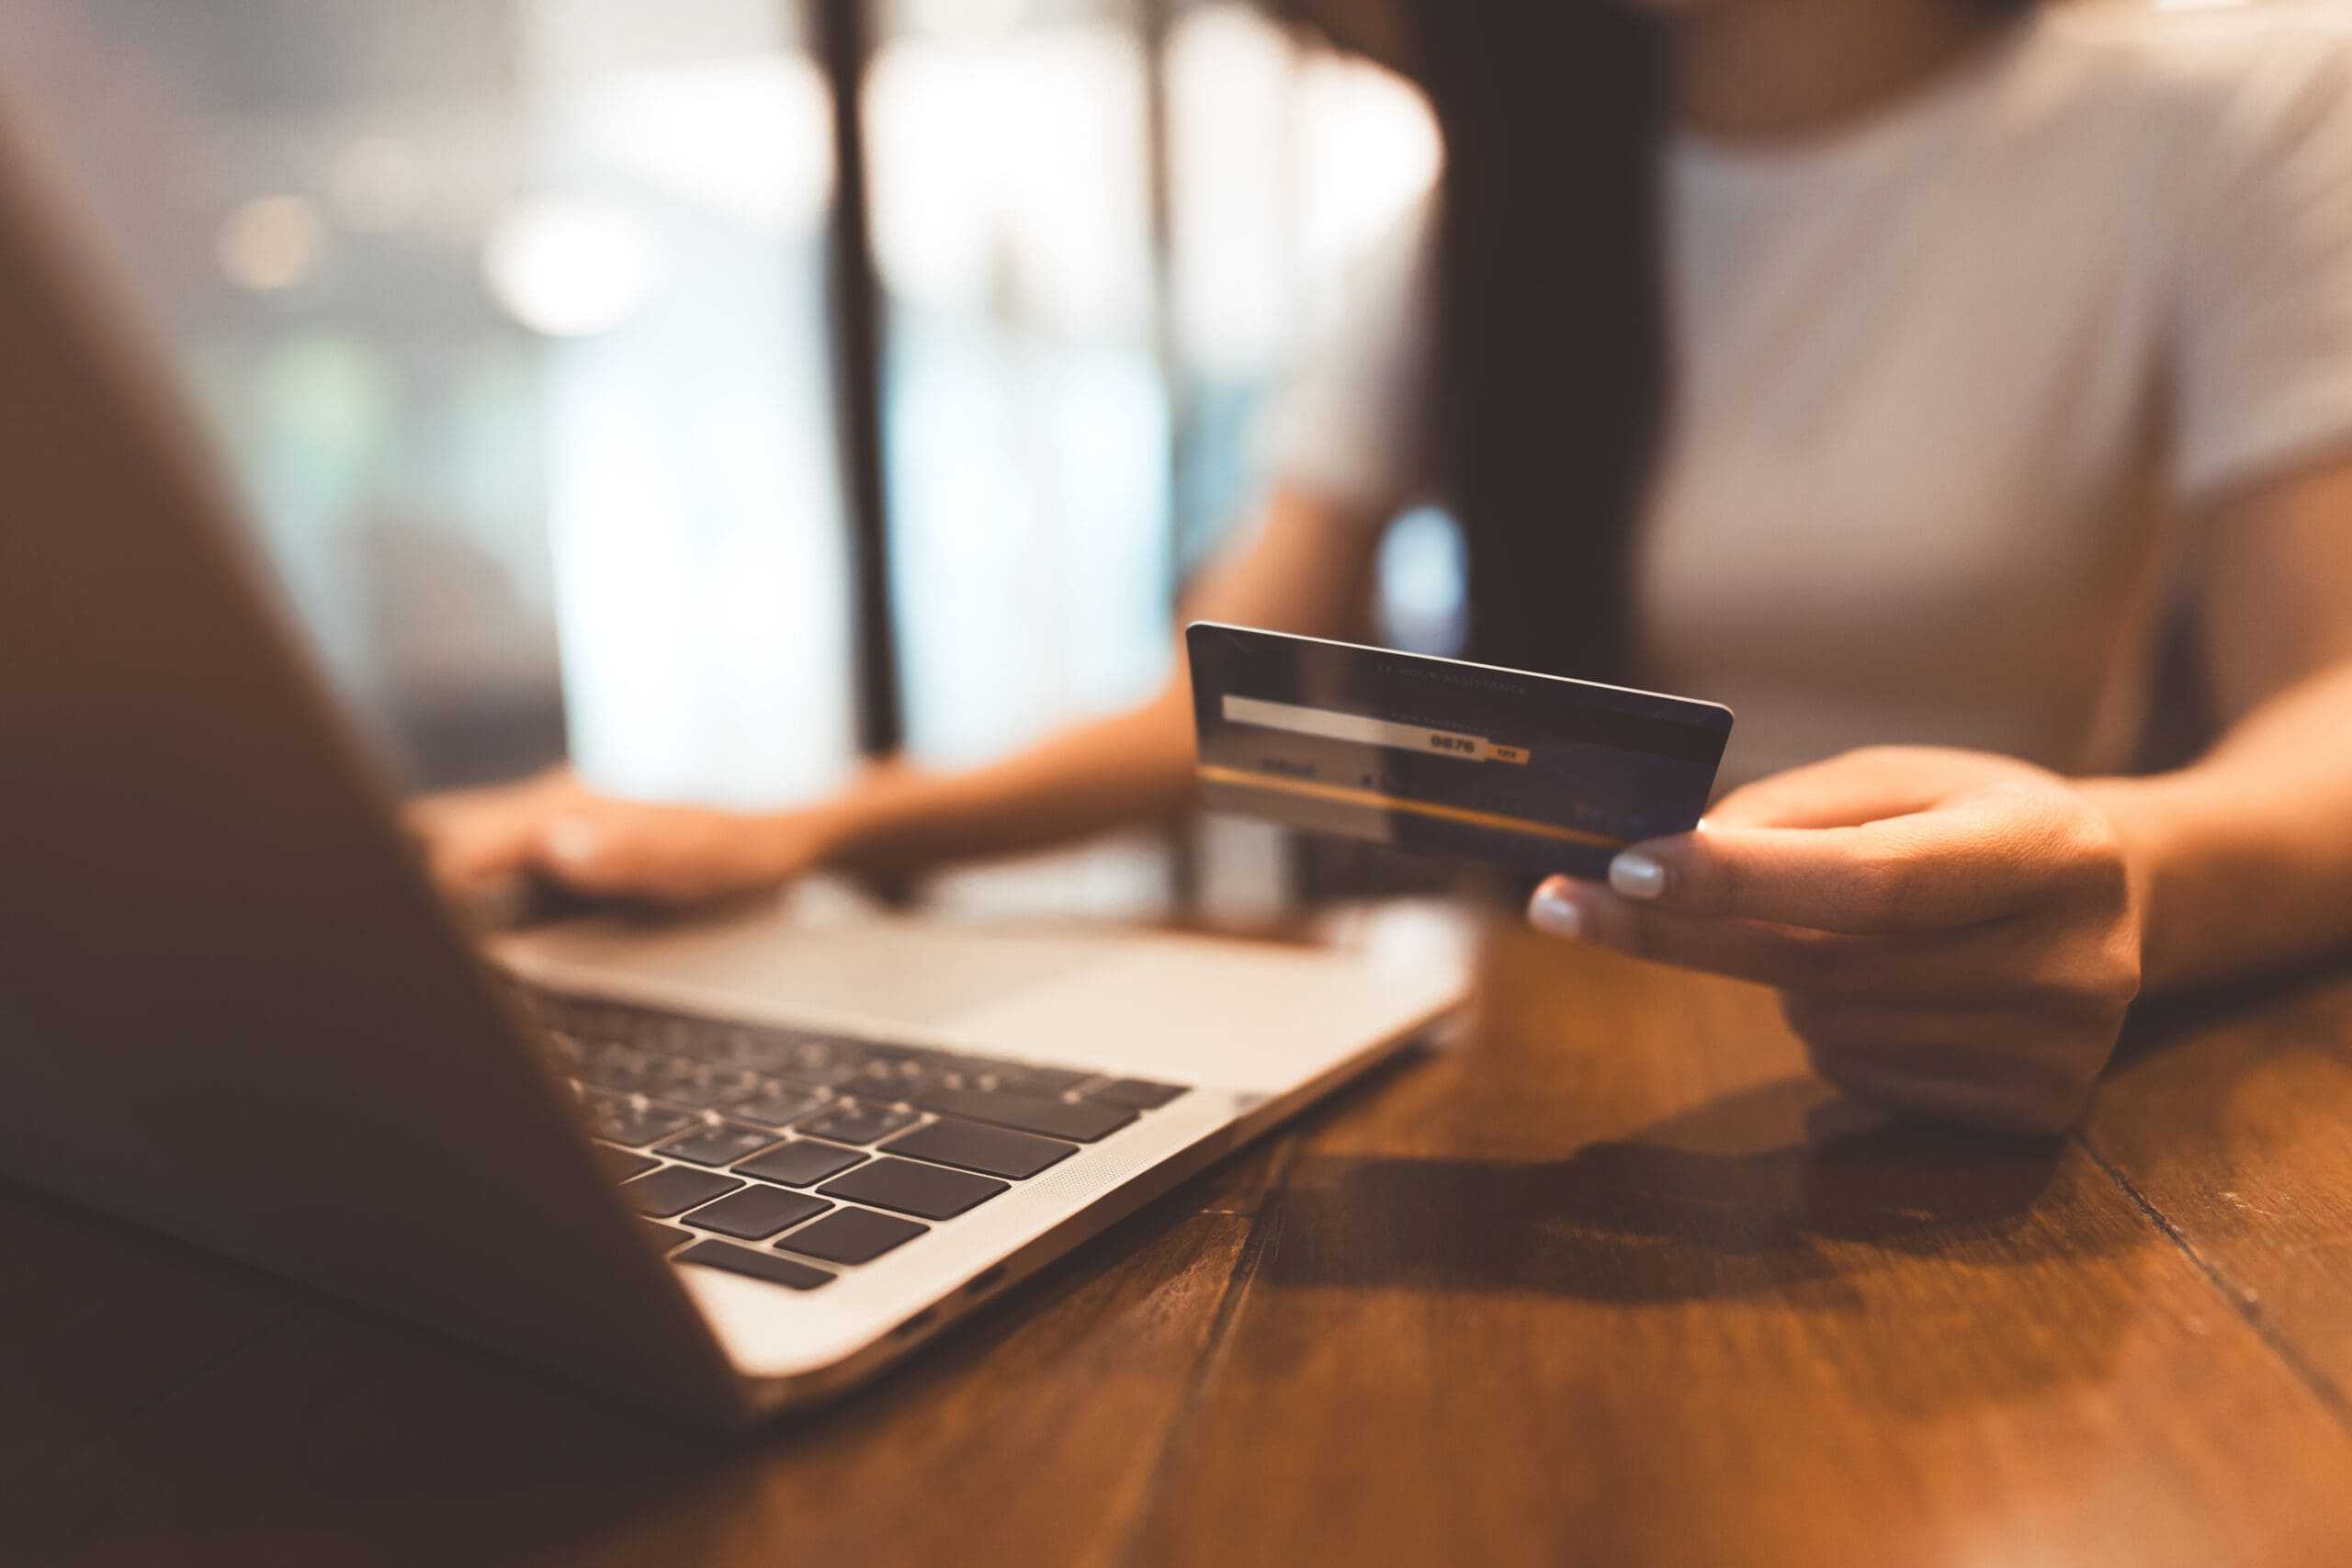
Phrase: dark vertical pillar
x=845 y=43
x=1155 y=18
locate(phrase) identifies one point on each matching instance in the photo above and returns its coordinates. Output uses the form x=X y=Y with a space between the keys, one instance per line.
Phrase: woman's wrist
x=858 y=829
x=2158 y=818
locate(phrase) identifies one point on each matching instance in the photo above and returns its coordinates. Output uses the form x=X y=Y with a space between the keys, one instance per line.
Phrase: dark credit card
x=1441 y=757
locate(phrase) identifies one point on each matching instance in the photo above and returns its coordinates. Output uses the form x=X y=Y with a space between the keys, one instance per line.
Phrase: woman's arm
x=1308 y=568
x=2247 y=855
x=1961 y=934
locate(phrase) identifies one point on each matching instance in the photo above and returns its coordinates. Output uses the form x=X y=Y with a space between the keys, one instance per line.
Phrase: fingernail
x=1555 y=914
x=571 y=839
x=1636 y=875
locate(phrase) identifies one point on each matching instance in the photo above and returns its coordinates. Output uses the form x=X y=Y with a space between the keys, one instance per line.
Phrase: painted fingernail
x=571 y=839
x=1636 y=875
x=1555 y=914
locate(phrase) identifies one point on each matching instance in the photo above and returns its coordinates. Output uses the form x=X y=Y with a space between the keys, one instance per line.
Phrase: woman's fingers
x=2001 y=1095
x=589 y=851
x=607 y=848
x=2048 y=965
x=1978 y=857
x=675 y=854
x=611 y=849
x=473 y=835
x=1951 y=934
x=1864 y=785
x=1789 y=958
x=2014 y=1070
x=1985 y=1045
x=1785 y=956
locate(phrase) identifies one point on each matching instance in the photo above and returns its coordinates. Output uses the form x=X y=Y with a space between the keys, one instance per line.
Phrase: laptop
x=724 y=1167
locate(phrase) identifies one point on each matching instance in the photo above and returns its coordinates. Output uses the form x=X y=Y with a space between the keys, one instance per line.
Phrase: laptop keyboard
x=787 y=1155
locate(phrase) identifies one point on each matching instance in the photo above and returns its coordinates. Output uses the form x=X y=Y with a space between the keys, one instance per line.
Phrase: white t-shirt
x=1951 y=385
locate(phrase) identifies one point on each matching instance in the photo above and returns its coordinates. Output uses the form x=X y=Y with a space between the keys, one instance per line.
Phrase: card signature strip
x=1336 y=726
x=1214 y=773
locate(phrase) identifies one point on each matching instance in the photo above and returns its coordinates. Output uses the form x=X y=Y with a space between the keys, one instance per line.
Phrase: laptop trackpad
x=1242 y=1015
x=880 y=970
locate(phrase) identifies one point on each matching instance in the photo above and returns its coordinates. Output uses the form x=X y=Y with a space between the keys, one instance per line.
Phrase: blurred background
x=537 y=335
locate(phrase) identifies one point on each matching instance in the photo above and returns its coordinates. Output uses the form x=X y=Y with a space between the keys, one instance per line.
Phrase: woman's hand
x=1951 y=933
x=555 y=827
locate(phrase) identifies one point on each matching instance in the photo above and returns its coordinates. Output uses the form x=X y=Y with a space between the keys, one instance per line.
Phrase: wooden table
x=1615 y=1282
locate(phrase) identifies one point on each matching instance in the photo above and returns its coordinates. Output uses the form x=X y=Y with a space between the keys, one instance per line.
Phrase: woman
x=1879 y=367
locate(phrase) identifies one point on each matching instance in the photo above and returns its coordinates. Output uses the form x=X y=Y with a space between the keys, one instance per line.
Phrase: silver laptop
x=726 y=1167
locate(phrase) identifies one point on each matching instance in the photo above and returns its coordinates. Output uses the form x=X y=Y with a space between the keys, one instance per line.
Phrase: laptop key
x=778 y=1108
x=756 y=1213
x=563 y=1054
x=1083 y=1121
x=665 y=1236
x=699 y=1091
x=661 y=1034
x=621 y=1164
x=852 y=1235
x=765 y=1266
x=926 y=1191
x=857 y=1121
x=823 y=1075
x=991 y=1151
x=613 y=1067
x=1046 y=1083
x=821 y=1064
x=803 y=1162
x=625 y=1121
x=882 y=1076
x=674 y=1188
x=1141 y=1093
x=744 y=1050
x=717 y=1142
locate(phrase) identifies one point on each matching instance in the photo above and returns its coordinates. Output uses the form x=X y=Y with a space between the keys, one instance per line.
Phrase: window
x=513 y=320
x=510 y=319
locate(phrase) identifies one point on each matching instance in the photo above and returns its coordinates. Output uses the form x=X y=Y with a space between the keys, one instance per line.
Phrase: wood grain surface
x=1614 y=1281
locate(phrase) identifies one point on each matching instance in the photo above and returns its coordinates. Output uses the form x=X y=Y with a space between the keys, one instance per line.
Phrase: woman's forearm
x=1131 y=768
x=1308 y=568
x=2244 y=858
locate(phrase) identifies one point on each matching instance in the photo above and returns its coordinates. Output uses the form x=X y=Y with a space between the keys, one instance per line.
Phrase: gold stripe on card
x=1212 y=773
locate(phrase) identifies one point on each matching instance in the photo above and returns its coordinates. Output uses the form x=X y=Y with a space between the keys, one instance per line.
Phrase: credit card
x=1441 y=757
